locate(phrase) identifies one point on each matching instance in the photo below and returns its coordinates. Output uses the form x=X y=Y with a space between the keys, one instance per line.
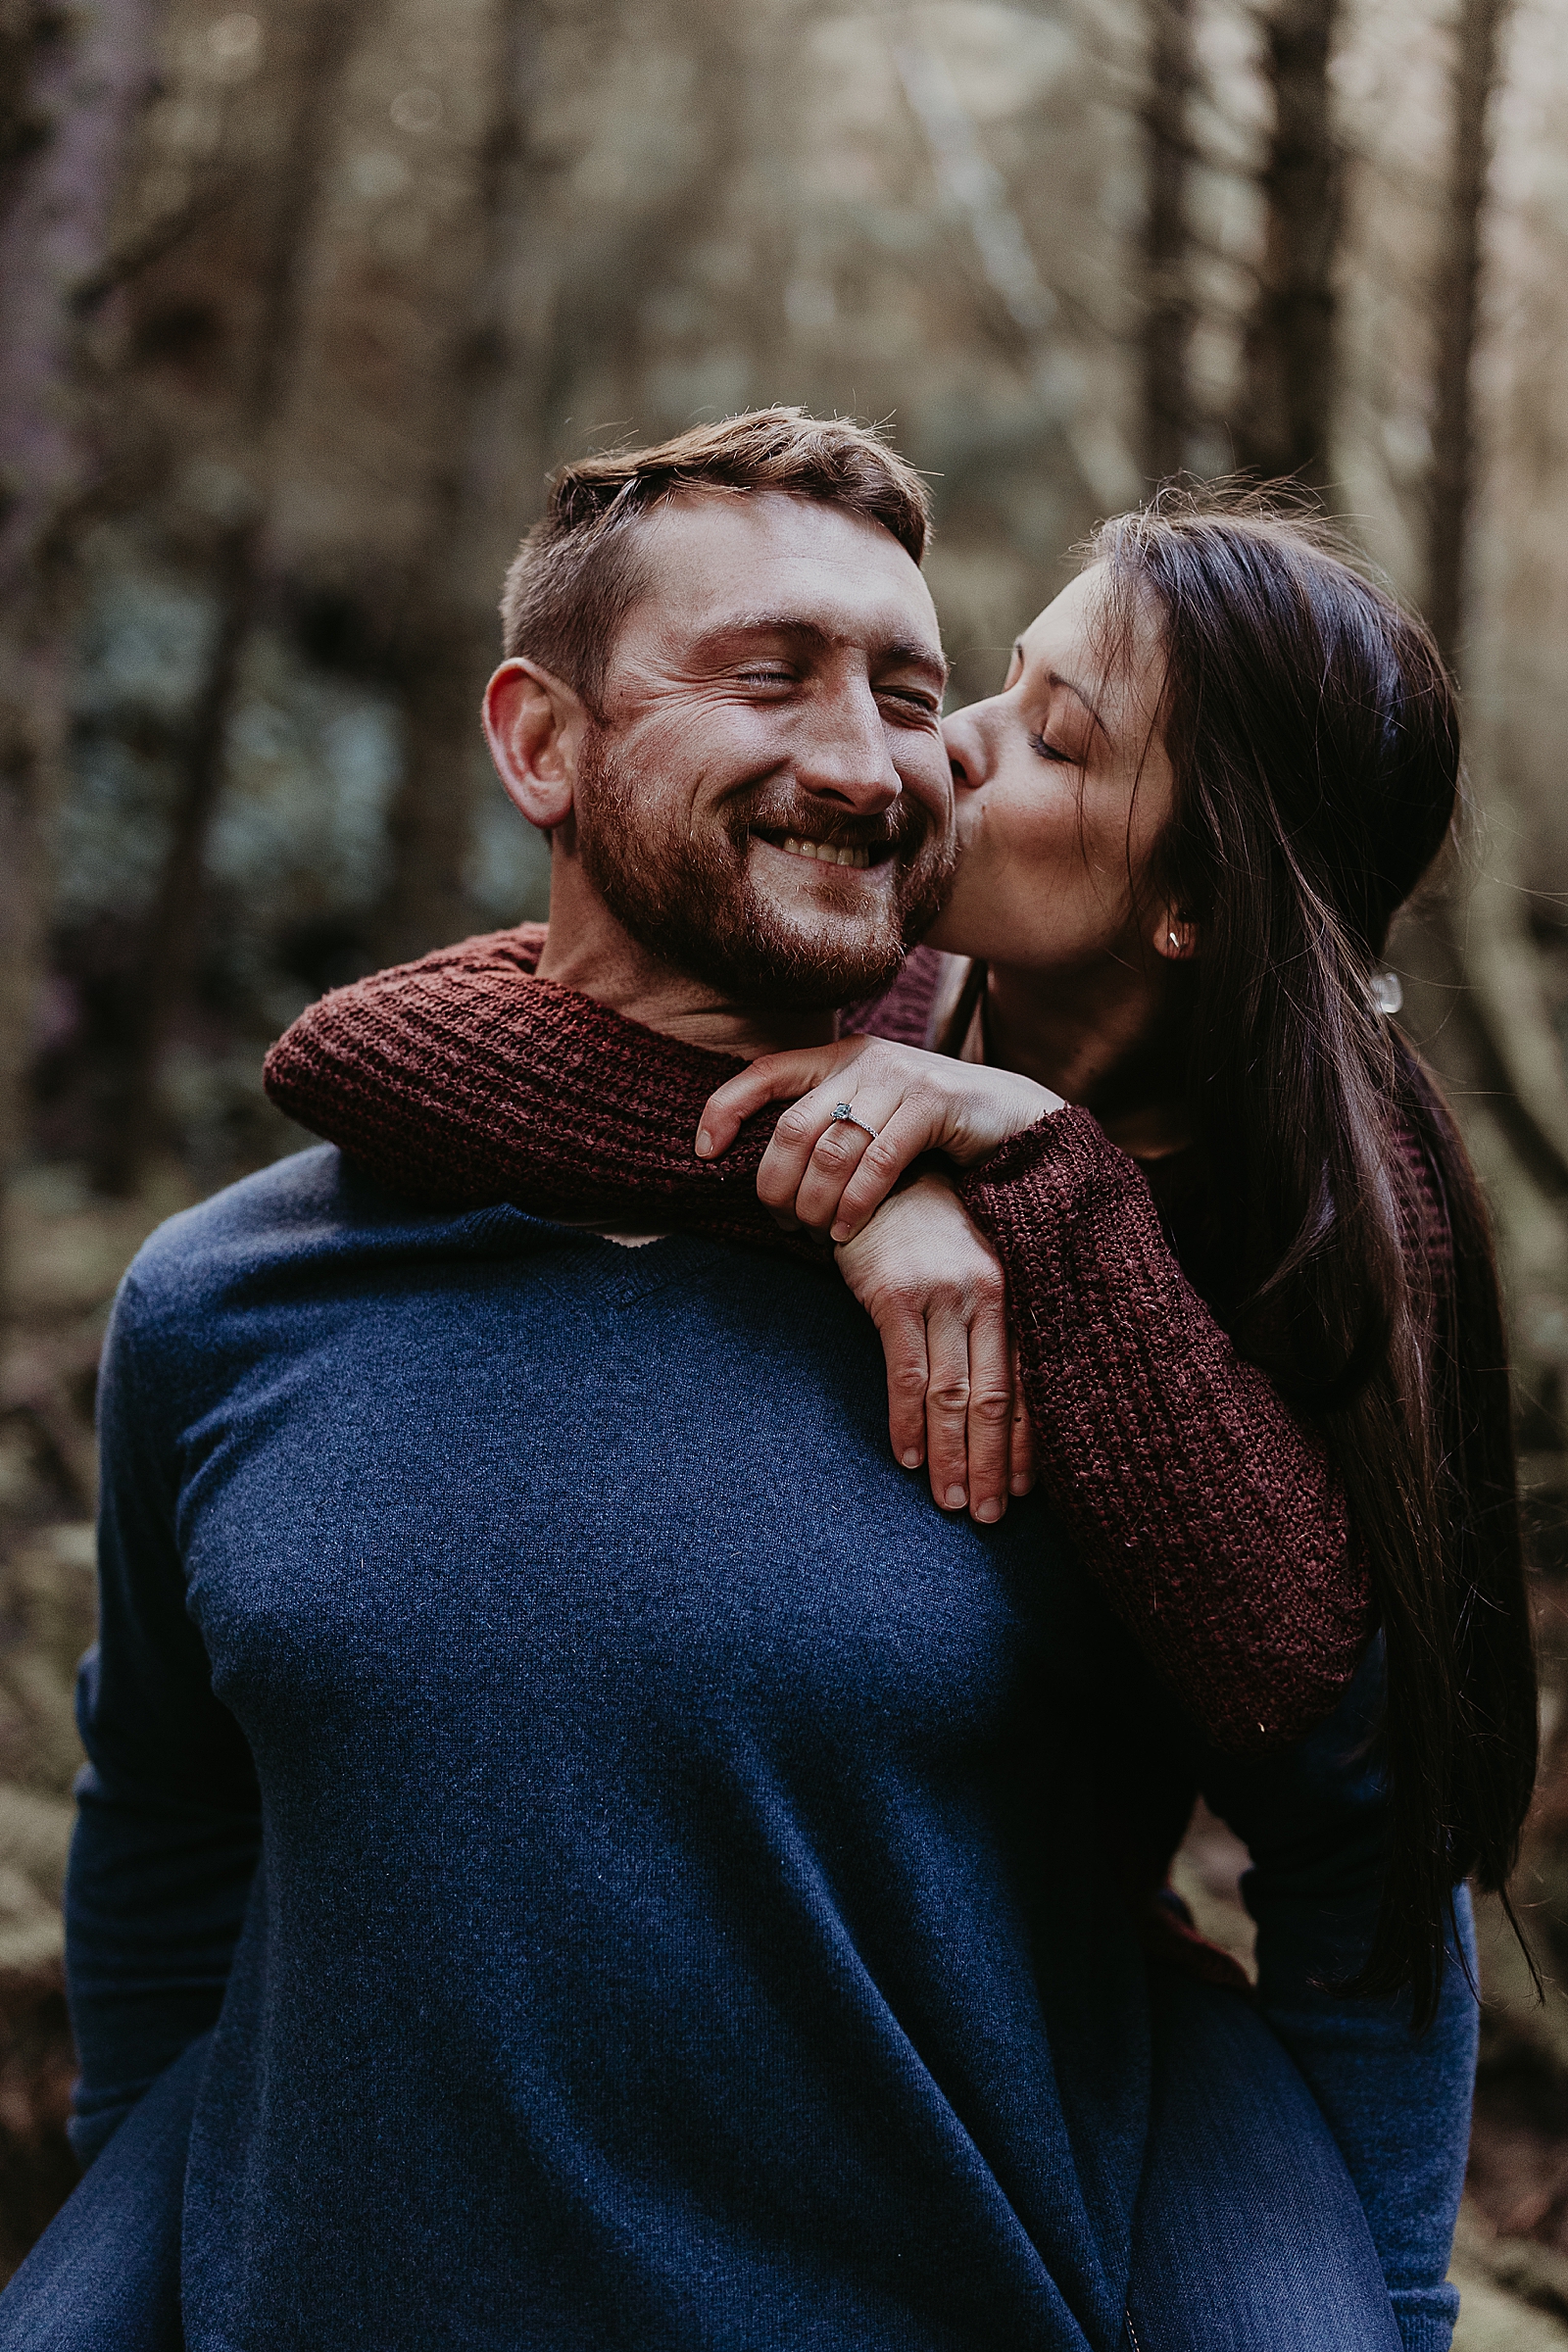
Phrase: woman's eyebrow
x=1053 y=678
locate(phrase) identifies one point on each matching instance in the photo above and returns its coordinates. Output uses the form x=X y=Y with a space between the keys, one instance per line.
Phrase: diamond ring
x=845 y=1116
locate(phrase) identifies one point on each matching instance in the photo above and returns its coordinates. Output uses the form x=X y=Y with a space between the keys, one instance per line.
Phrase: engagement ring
x=842 y=1112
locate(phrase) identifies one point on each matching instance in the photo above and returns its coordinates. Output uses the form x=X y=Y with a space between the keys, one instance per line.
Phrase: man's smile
x=856 y=854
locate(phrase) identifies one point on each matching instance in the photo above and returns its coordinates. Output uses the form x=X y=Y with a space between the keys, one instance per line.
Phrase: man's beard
x=692 y=903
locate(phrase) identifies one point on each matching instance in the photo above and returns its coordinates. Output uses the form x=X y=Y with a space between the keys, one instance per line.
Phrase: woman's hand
x=829 y=1173
x=933 y=1285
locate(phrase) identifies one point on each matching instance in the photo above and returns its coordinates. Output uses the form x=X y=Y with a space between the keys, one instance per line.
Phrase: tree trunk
x=447 y=628
x=1167 y=330
x=1289 y=373
x=1489 y=942
x=82 y=81
x=1477 y=39
x=173 y=934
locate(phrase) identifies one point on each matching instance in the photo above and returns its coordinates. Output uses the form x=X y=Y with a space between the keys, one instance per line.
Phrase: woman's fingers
x=811 y=1158
x=935 y=1288
x=852 y=1167
x=946 y=1405
x=813 y=1154
x=772 y=1078
x=878 y=1168
x=989 y=1409
x=970 y=1401
x=902 y=1331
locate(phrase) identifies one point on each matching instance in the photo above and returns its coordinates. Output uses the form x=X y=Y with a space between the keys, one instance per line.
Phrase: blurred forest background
x=299 y=302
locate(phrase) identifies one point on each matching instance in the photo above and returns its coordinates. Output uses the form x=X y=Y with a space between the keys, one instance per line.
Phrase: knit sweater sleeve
x=461 y=1080
x=1209 y=1513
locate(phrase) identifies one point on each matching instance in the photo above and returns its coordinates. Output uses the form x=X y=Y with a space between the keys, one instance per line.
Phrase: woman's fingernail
x=988 y=1510
x=911 y=1462
x=956 y=1498
x=705 y=1143
x=1022 y=1486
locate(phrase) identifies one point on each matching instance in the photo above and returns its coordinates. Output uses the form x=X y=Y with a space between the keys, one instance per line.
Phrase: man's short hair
x=577 y=573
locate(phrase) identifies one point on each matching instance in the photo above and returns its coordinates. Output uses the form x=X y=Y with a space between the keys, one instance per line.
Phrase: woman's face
x=1063 y=788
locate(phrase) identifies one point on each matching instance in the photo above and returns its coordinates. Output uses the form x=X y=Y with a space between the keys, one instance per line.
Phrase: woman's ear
x=1175 y=938
x=533 y=723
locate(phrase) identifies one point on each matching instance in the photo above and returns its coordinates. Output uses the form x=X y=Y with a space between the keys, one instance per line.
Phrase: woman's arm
x=1210 y=1513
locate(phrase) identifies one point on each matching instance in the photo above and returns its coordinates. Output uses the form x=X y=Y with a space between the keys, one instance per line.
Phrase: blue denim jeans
x=1247 y=2235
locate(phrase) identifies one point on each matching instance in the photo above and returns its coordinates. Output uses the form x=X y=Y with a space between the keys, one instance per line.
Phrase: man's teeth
x=825 y=853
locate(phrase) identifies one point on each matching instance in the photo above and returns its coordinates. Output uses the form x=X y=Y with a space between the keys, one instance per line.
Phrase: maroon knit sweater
x=1208 y=1510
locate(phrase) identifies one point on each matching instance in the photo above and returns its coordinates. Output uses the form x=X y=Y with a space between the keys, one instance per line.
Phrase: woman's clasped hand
x=840 y=1162
x=829 y=1171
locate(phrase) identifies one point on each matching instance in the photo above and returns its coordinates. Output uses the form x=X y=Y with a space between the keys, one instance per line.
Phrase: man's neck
x=589 y=950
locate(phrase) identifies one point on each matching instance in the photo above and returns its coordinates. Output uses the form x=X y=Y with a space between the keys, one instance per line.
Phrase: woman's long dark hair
x=1315 y=739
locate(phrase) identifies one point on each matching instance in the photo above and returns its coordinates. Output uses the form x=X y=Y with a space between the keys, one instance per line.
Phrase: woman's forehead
x=1069 y=621
x=1108 y=648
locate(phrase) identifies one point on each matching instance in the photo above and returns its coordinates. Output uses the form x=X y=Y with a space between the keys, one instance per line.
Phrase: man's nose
x=843 y=753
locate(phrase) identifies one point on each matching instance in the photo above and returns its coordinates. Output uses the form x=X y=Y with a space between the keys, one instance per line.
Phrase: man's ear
x=533 y=723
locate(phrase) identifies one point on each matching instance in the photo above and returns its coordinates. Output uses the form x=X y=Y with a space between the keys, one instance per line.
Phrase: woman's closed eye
x=1054 y=751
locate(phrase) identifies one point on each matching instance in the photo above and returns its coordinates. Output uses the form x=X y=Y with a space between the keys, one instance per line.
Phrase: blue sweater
x=647 y=1867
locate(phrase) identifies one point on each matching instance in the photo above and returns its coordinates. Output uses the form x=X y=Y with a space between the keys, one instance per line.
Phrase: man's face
x=766 y=803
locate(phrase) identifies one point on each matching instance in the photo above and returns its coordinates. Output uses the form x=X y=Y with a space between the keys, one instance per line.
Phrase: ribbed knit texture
x=1210 y=1513
x=1208 y=1510
x=461 y=1080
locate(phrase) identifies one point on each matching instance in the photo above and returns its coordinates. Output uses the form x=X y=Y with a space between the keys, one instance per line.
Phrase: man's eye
x=911 y=698
x=767 y=677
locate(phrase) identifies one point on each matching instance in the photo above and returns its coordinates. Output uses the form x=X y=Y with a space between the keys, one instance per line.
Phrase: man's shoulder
x=293 y=1220
x=289 y=1204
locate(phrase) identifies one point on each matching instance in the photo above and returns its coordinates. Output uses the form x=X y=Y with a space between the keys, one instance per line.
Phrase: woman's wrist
x=1003 y=1106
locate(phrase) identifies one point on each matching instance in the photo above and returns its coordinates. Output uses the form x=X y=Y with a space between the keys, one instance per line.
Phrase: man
x=577 y=1851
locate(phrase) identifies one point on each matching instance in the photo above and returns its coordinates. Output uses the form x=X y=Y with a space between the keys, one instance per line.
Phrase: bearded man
x=577 y=1851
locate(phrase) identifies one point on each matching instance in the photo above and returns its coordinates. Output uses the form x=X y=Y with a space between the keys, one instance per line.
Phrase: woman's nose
x=966 y=751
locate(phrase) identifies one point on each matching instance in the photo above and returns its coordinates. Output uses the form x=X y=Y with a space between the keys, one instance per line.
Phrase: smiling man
x=577 y=1854
x=731 y=733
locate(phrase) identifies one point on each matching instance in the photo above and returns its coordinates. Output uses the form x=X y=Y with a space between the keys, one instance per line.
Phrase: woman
x=1221 y=762
x=1249 y=1273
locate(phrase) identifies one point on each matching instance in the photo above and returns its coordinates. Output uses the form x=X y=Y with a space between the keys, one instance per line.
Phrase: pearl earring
x=1175 y=943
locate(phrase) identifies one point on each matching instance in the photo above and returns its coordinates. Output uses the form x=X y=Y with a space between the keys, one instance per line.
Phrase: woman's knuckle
x=795 y=1124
